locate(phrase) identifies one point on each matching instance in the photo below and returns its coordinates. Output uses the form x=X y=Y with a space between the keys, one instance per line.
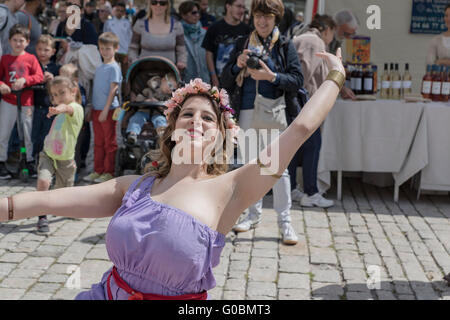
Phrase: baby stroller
x=130 y=154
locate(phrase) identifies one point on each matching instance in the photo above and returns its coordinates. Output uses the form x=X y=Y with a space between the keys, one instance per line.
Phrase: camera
x=253 y=60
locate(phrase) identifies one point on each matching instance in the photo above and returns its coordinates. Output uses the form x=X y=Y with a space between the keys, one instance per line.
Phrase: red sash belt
x=136 y=295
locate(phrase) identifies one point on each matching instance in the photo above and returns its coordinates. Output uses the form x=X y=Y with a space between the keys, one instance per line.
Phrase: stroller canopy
x=142 y=69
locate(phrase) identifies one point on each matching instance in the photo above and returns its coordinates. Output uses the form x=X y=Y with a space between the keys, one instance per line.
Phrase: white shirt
x=122 y=29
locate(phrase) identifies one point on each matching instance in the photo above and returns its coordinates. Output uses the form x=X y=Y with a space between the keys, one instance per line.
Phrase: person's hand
x=4 y=89
x=48 y=76
x=102 y=116
x=261 y=74
x=215 y=80
x=347 y=93
x=334 y=62
x=18 y=84
x=52 y=111
x=242 y=59
x=181 y=65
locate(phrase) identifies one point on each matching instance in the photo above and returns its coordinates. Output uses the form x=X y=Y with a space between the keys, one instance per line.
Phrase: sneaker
x=132 y=138
x=42 y=225
x=296 y=195
x=31 y=169
x=4 y=173
x=103 y=178
x=316 y=200
x=288 y=234
x=248 y=223
x=92 y=177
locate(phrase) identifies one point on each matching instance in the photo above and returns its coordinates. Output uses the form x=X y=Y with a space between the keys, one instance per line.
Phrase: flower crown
x=194 y=87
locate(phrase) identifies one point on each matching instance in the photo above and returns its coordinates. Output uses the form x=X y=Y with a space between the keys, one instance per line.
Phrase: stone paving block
x=358 y=296
x=324 y=274
x=344 y=240
x=17 y=283
x=91 y=271
x=323 y=255
x=402 y=287
x=13 y=257
x=239 y=265
x=406 y=297
x=326 y=290
x=75 y=253
x=264 y=263
x=293 y=281
x=233 y=295
x=54 y=278
x=45 y=287
x=255 y=289
x=26 y=273
x=297 y=264
x=319 y=237
x=385 y=295
x=315 y=219
x=48 y=251
x=354 y=274
x=262 y=274
x=36 y=296
x=36 y=263
x=236 y=274
x=345 y=246
x=350 y=259
x=11 y=294
x=98 y=254
x=263 y=253
x=294 y=294
x=235 y=284
x=300 y=249
x=215 y=293
x=26 y=246
x=65 y=294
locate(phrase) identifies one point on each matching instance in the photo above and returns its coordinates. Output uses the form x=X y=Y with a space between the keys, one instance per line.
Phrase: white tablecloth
x=436 y=175
x=374 y=136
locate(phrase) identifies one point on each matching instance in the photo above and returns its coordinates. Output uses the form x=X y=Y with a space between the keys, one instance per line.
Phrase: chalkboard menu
x=428 y=16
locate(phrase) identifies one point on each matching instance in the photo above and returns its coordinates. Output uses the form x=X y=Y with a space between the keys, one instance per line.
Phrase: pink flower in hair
x=202 y=86
x=224 y=97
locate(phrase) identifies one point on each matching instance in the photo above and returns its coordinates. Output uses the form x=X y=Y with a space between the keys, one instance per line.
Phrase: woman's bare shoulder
x=124 y=182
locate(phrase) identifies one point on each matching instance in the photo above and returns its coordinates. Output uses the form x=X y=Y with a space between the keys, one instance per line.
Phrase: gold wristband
x=337 y=77
x=262 y=166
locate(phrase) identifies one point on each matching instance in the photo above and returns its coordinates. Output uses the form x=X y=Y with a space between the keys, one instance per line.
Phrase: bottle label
x=368 y=84
x=436 y=88
x=358 y=84
x=446 y=88
x=396 y=84
x=407 y=84
x=385 y=84
x=426 y=87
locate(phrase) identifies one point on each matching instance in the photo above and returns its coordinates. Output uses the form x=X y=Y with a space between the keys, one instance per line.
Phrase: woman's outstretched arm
x=251 y=182
x=94 y=201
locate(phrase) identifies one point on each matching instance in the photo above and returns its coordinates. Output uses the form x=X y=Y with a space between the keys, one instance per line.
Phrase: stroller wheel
x=118 y=165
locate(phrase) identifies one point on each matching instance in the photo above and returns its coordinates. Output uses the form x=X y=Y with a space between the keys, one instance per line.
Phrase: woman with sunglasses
x=158 y=34
x=193 y=36
x=276 y=73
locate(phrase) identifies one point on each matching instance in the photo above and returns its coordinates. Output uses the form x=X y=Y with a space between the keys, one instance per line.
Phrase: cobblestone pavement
x=341 y=253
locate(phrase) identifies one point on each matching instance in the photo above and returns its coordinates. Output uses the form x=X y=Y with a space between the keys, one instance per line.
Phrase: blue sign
x=428 y=16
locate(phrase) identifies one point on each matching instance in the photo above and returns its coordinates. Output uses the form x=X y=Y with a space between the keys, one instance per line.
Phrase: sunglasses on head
x=161 y=3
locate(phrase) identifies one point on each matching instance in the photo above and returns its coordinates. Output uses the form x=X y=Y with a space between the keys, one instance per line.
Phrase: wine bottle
x=437 y=84
x=396 y=84
x=445 y=96
x=407 y=81
x=427 y=83
x=385 y=83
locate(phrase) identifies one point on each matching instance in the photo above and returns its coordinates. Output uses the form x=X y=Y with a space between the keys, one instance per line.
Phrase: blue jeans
x=311 y=153
x=140 y=118
x=40 y=129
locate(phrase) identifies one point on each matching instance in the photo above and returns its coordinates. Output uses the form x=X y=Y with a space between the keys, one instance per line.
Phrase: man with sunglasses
x=221 y=37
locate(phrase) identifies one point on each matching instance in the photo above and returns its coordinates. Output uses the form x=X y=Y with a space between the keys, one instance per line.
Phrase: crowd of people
x=265 y=57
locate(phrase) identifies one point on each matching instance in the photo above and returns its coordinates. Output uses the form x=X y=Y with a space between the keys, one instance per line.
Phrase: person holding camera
x=264 y=69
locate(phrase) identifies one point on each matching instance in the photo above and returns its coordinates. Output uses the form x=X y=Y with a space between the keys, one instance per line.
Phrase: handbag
x=269 y=113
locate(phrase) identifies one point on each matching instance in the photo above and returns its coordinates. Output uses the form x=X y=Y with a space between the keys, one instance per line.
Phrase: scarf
x=192 y=31
x=255 y=45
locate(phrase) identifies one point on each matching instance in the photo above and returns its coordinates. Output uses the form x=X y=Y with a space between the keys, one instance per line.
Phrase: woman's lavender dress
x=157 y=248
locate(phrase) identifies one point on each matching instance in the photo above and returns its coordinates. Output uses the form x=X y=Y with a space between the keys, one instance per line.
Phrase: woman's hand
x=261 y=74
x=242 y=59
x=334 y=62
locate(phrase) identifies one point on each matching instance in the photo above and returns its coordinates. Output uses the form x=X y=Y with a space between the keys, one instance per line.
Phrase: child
x=159 y=89
x=45 y=49
x=17 y=71
x=57 y=158
x=84 y=138
x=107 y=79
